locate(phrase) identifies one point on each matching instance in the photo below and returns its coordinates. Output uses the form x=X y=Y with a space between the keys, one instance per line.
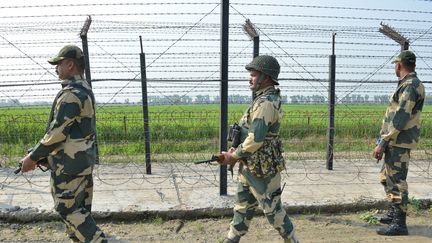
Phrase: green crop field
x=195 y=128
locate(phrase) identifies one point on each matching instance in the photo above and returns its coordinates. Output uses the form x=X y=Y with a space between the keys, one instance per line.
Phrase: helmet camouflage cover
x=267 y=65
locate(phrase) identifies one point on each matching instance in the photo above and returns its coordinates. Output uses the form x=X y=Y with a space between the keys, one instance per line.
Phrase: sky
x=181 y=41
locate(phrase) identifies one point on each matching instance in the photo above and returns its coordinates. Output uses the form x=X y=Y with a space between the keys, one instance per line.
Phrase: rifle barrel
x=213 y=158
x=204 y=161
x=17 y=170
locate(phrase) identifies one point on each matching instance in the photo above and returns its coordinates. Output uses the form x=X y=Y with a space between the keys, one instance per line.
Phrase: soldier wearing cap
x=69 y=146
x=400 y=132
x=260 y=153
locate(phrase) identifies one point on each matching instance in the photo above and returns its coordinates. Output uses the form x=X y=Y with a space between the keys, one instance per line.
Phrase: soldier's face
x=397 y=69
x=63 y=69
x=253 y=79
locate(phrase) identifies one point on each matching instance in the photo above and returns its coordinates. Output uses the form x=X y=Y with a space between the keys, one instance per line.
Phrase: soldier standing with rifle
x=69 y=147
x=400 y=132
x=260 y=155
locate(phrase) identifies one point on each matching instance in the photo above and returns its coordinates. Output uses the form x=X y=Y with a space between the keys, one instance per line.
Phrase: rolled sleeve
x=67 y=108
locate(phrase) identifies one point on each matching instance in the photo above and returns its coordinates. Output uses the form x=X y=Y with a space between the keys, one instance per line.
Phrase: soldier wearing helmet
x=260 y=155
x=267 y=65
x=69 y=146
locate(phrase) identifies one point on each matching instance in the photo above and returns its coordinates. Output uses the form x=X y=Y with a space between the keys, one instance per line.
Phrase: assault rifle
x=214 y=158
x=234 y=136
x=217 y=158
x=42 y=164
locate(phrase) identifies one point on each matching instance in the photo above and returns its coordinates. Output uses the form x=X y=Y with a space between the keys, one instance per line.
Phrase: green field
x=194 y=128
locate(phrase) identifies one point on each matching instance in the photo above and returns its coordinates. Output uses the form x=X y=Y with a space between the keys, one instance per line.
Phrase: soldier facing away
x=400 y=132
x=260 y=155
x=69 y=146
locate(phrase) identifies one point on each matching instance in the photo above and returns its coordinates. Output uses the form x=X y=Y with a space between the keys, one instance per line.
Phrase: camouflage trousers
x=72 y=200
x=252 y=192
x=393 y=176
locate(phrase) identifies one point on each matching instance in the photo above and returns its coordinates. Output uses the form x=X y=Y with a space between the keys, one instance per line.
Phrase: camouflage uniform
x=69 y=144
x=259 y=180
x=400 y=133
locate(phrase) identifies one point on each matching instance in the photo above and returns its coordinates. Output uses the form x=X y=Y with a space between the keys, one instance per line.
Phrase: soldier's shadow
x=420 y=230
x=413 y=229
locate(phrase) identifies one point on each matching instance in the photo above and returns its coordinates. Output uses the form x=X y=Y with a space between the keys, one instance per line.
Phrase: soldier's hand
x=27 y=164
x=228 y=157
x=378 y=152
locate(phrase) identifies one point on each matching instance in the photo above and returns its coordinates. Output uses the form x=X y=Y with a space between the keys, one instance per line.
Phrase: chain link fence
x=182 y=65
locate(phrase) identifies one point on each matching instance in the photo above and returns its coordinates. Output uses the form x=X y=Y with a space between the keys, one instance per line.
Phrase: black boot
x=228 y=240
x=397 y=226
x=387 y=218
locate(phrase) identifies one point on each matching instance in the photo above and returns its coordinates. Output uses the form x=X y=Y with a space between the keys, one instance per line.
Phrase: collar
x=409 y=75
x=264 y=90
x=75 y=79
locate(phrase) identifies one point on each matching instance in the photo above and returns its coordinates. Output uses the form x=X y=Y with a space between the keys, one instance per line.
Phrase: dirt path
x=310 y=228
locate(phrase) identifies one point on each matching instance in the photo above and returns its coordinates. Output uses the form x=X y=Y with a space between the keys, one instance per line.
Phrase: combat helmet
x=267 y=65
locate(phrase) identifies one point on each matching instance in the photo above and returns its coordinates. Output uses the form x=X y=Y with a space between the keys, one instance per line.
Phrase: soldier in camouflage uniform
x=260 y=155
x=69 y=146
x=400 y=133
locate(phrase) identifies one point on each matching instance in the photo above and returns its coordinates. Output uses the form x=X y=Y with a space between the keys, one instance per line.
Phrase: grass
x=157 y=220
x=369 y=217
x=195 y=128
x=415 y=204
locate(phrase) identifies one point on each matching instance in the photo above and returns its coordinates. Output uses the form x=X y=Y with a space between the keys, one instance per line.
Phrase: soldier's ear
x=399 y=65
x=269 y=79
x=71 y=64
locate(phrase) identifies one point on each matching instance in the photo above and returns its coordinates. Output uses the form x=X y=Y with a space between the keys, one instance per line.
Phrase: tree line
x=246 y=99
x=232 y=99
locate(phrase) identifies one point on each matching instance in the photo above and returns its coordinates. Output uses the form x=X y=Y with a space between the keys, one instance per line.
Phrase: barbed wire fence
x=183 y=84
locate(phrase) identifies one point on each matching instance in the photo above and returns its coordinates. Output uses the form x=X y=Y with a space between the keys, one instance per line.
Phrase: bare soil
x=310 y=228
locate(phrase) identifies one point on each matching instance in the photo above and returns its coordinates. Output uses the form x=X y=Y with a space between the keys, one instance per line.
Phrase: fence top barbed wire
x=114 y=42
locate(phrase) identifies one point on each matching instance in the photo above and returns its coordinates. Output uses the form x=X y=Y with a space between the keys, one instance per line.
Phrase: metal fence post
x=145 y=110
x=256 y=46
x=223 y=129
x=83 y=35
x=394 y=35
x=250 y=30
x=331 y=107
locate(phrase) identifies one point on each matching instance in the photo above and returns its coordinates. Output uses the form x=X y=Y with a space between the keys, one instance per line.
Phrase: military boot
x=228 y=240
x=397 y=226
x=387 y=218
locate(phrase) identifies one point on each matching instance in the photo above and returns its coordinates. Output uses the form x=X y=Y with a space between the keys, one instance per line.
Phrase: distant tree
x=203 y=99
x=238 y=99
x=381 y=99
x=186 y=99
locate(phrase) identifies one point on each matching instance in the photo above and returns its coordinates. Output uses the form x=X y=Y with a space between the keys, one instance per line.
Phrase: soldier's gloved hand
x=378 y=152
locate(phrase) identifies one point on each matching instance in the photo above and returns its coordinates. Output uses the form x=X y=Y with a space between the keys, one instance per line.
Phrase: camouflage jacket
x=69 y=141
x=262 y=149
x=401 y=123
